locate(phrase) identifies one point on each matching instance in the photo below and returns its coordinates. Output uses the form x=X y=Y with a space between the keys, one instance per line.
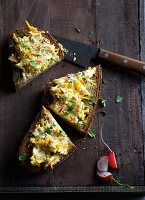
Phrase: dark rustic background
x=116 y=27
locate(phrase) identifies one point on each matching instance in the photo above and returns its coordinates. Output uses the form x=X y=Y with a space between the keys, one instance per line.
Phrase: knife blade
x=82 y=54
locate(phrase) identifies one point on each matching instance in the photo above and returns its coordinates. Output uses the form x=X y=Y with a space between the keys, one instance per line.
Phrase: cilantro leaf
x=22 y=157
x=48 y=130
x=90 y=34
x=119 y=99
x=91 y=133
x=16 y=77
x=102 y=102
x=33 y=63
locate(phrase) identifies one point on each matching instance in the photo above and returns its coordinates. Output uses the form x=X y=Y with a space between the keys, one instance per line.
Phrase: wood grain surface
x=115 y=25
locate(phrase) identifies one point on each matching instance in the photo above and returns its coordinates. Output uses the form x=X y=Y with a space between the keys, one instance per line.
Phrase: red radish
x=112 y=160
x=104 y=158
x=102 y=164
x=104 y=176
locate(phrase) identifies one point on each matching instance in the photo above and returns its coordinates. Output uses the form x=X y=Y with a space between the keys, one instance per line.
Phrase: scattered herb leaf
x=119 y=99
x=65 y=50
x=91 y=133
x=77 y=29
x=102 y=102
x=22 y=157
x=90 y=34
x=16 y=77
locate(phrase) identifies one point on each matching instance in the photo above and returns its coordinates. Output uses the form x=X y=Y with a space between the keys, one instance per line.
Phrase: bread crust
x=48 y=99
x=25 y=148
x=24 y=32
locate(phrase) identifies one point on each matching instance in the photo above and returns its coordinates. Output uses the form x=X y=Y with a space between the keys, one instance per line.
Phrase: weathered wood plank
x=119 y=32
x=142 y=57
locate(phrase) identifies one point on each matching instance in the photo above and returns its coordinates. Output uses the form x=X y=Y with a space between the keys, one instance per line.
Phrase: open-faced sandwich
x=32 y=51
x=45 y=145
x=74 y=97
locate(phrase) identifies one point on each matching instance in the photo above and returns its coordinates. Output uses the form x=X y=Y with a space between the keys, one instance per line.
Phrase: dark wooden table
x=117 y=26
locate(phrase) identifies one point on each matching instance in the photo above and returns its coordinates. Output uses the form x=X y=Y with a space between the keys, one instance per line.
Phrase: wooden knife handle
x=122 y=61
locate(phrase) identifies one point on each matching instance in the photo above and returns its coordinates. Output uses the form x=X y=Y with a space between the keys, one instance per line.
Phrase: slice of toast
x=74 y=97
x=32 y=52
x=45 y=145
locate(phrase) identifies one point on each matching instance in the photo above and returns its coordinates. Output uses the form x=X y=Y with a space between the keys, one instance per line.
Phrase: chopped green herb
x=92 y=101
x=16 y=77
x=77 y=29
x=65 y=50
x=119 y=99
x=48 y=130
x=90 y=34
x=102 y=102
x=33 y=63
x=78 y=125
x=91 y=133
x=38 y=136
x=22 y=157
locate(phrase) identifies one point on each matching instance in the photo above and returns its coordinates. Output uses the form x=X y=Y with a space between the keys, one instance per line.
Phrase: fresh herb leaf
x=102 y=102
x=48 y=130
x=70 y=109
x=22 y=157
x=90 y=34
x=119 y=99
x=77 y=29
x=65 y=50
x=92 y=101
x=16 y=77
x=78 y=125
x=33 y=63
x=91 y=133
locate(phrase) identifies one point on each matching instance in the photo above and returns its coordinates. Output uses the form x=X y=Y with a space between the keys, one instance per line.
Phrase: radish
x=102 y=164
x=104 y=176
x=112 y=160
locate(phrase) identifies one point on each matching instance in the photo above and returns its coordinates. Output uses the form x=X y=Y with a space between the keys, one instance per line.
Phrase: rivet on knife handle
x=122 y=61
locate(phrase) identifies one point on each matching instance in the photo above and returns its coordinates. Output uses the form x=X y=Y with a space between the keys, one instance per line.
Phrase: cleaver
x=82 y=54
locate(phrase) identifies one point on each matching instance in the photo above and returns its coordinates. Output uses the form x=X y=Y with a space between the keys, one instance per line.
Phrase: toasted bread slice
x=74 y=97
x=32 y=52
x=45 y=145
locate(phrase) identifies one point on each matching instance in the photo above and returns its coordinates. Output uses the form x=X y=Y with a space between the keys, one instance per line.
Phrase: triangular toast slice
x=74 y=97
x=32 y=51
x=45 y=145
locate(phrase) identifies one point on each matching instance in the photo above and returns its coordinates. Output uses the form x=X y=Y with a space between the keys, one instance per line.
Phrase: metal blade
x=78 y=53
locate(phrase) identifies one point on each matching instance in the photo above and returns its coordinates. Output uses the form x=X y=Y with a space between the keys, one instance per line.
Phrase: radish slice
x=104 y=158
x=112 y=160
x=104 y=176
x=102 y=164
